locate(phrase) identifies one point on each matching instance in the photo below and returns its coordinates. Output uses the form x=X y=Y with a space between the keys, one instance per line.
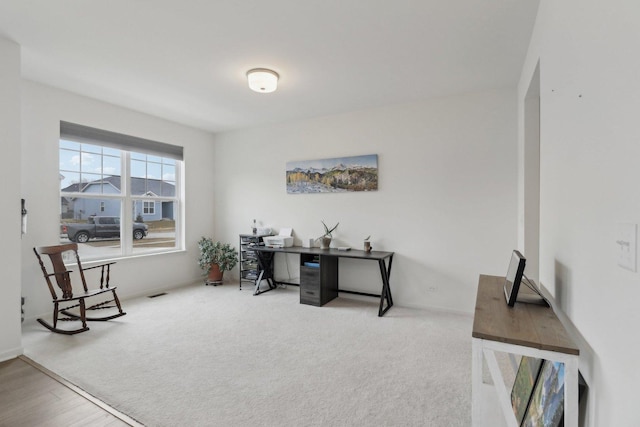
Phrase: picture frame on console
x=514 y=277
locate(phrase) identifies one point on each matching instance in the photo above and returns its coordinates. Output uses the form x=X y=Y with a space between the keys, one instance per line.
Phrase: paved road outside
x=108 y=248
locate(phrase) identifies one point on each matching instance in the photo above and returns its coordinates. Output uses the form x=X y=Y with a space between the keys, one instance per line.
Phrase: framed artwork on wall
x=336 y=175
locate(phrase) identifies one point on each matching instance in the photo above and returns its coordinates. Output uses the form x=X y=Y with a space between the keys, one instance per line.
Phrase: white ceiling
x=185 y=60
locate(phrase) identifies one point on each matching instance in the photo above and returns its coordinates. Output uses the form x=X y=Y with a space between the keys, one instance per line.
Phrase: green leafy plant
x=219 y=253
x=327 y=230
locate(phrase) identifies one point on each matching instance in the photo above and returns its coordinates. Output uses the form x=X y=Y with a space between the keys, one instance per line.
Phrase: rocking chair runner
x=63 y=279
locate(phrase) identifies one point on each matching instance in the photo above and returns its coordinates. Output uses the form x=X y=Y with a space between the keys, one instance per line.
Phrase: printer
x=282 y=240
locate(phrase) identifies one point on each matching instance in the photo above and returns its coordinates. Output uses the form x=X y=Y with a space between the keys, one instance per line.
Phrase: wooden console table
x=525 y=329
x=265 y=258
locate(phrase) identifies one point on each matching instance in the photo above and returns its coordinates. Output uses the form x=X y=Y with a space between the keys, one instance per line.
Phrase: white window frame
x=127 y=201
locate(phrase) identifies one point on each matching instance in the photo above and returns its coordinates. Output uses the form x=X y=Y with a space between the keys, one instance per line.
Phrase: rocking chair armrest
x=103 y=282
x=98 y=266
x=60 y=273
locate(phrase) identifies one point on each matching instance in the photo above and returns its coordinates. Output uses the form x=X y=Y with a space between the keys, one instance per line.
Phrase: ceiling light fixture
x=262 y=80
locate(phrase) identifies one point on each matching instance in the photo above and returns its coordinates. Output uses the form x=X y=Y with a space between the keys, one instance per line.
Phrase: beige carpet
x=216 y=356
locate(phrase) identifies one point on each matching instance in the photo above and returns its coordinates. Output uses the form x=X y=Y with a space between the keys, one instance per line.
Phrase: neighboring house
x=149 y=210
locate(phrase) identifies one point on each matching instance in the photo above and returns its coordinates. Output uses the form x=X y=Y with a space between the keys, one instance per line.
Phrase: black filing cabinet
x=318 y=279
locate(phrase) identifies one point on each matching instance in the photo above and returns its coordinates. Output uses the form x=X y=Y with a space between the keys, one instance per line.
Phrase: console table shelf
x=525 y=329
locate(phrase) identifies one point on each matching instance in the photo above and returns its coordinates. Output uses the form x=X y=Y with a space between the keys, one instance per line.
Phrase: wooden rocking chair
x=63 y=279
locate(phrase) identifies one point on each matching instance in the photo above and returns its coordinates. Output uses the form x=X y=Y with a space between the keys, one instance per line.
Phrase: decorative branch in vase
x=367 y=244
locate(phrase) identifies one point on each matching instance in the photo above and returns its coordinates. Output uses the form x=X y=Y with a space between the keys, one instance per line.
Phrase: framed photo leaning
x=514 y=277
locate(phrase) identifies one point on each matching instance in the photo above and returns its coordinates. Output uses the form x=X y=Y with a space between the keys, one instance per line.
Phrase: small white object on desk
x=282 y=240
x=344 y=248
x=263 y=230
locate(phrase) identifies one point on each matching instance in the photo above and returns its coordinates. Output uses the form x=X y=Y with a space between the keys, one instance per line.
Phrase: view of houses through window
x=99 y=183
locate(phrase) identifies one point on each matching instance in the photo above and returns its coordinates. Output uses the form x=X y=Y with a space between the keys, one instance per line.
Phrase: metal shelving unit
x=248 y=259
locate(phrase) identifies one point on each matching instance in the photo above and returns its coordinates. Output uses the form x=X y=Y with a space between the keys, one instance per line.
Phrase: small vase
x=325 y=242
x=367 y=246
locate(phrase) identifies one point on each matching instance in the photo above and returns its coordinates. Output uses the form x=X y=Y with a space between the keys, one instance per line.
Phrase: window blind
x=88 y=135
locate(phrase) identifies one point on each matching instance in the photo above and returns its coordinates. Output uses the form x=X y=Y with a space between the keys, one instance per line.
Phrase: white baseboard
x=158 y=290
x=47 y=315
x=11 y=354
x=437 y=309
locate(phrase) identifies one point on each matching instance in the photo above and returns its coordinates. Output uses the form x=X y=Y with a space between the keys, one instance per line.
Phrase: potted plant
x=325 y=239
x=216 y=258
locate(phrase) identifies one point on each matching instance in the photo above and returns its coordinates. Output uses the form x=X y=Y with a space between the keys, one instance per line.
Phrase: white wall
x=43 y=108
x=446 y=202
x=10 y=343
x=590 y=181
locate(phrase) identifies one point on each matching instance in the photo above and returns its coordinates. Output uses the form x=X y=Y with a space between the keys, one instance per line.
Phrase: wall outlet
x=626 y=246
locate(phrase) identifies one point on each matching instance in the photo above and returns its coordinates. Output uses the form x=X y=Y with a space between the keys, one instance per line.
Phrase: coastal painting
x=337 y=175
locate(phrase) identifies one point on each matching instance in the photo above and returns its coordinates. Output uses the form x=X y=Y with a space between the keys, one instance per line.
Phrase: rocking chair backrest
x=60 y=272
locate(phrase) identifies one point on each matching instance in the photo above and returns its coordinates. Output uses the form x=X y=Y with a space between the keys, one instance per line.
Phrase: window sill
x=123 y=258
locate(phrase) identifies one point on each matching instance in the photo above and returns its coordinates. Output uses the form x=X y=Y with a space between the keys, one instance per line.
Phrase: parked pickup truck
x=100 y=226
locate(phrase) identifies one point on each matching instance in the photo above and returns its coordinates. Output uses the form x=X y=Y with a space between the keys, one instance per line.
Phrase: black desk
x=265 y=258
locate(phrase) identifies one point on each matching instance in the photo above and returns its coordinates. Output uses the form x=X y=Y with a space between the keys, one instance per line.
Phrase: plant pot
x=325 y=242
x=215 y=274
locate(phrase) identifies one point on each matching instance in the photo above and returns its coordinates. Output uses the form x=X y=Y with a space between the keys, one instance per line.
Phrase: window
x=149 y=208
x=111 y=182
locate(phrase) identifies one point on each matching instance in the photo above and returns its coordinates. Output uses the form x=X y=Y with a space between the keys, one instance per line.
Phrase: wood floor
x=32 y=396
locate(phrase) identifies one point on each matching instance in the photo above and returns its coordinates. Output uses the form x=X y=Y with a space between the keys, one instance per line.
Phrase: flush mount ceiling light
x=262 y=80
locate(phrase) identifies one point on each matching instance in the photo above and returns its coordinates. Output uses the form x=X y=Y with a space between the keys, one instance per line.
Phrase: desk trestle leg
x=385 y=272
x=266 y=273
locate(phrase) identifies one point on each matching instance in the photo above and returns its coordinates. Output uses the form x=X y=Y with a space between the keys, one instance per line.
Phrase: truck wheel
x=138 y=234
x=82 y=237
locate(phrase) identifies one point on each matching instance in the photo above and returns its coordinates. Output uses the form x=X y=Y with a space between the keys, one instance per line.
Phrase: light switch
x=626 y=246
